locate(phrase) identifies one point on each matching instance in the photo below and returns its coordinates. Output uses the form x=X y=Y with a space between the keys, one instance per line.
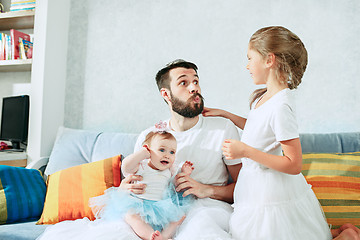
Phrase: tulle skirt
x=274 y=205
x=116 y=203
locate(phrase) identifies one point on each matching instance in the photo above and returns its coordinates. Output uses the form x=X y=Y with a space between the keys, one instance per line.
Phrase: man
x=199 y=141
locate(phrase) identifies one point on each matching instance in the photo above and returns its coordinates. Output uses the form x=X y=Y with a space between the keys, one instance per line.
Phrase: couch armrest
x=39 y=164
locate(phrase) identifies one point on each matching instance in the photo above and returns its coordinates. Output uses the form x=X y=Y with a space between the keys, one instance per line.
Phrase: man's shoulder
x=217 y=122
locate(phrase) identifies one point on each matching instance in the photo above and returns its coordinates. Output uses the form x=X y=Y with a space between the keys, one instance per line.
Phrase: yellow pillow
x=69 y=190
x=335 y=179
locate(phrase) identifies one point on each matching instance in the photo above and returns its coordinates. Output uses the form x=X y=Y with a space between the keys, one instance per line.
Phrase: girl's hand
x=129 y=184
x=234 y=149
x=212 y=112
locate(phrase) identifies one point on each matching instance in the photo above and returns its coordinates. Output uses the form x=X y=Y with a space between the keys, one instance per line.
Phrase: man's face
x=185 y=96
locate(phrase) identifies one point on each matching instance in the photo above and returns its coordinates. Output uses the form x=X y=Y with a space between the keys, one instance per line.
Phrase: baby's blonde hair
x=151 y=135
x=290 y=55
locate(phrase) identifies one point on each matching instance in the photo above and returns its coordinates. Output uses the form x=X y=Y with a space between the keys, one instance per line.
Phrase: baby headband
x=161 y=127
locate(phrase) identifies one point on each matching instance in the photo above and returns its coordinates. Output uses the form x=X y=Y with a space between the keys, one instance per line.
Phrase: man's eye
x=196 y=82
x=182 y=83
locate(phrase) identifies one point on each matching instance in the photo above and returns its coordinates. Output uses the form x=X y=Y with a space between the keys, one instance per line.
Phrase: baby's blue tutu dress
x=115 y=203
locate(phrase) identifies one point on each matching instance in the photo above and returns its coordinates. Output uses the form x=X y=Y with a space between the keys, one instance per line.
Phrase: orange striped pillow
x=335 y=179
x=69 y=190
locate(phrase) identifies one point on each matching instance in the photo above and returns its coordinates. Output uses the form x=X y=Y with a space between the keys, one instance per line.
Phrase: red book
x=15 y=35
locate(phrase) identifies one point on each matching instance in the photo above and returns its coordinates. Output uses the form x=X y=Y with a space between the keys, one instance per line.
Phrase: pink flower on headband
x=161 y=127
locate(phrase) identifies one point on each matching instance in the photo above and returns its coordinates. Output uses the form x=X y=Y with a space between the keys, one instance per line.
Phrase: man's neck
x=179 y=123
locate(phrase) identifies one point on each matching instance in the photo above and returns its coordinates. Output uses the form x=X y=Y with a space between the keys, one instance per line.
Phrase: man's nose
x=194 y=88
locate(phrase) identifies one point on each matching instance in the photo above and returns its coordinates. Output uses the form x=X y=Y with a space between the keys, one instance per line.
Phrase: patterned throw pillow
x=22 y=194
x=69 y=190
x=335 y=179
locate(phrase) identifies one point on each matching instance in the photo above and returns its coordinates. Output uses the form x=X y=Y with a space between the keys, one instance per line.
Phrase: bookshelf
x=16 y=20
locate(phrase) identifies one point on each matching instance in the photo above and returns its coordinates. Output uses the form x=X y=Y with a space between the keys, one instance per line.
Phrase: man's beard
x=187 y=109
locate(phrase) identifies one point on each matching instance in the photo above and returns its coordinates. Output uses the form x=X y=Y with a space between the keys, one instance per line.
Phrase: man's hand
x=184 y=182
x=129 y=184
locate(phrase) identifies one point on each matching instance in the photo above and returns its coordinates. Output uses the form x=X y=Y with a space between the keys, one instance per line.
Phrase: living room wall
x=116 y=48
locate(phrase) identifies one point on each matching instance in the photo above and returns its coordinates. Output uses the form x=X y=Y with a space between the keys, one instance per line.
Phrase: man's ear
x=270 y=60
x=165 y=93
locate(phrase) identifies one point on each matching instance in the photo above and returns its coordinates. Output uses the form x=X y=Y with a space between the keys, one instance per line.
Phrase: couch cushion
x=22 y=194
x=330 y=142
x=72 y=147
x=21 y=231
x=335 y=179
x=111 y=144
x=69 y=190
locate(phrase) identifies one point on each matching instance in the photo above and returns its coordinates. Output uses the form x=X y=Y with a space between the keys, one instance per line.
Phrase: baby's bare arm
x=131 y=163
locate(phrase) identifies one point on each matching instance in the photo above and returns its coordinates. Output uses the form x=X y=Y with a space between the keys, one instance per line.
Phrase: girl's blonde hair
x=290 y=55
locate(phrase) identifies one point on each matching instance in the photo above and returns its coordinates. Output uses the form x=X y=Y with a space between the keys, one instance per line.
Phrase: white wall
x=116 y=48
x=48 y=76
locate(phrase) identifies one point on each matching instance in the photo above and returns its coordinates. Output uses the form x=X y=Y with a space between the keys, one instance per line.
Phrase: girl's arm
x=213 y=112
x=290 y=163
x=131 y=163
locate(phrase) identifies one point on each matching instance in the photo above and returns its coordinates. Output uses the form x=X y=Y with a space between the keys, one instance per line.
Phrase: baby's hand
x=212 y=112
x=187 y=167
x=146 y=151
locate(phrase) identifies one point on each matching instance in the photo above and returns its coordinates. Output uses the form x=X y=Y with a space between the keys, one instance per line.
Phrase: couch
x=335 y=177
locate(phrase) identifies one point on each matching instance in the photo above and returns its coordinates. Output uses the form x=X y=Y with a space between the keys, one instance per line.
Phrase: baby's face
x=162 y=153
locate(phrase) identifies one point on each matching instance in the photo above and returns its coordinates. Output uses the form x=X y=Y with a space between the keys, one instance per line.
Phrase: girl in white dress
x=155 y=214
x=272 y=199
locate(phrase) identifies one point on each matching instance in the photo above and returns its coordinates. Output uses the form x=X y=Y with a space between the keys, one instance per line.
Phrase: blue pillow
x=22 y=194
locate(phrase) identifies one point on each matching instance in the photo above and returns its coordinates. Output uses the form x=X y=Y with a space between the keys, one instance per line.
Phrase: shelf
x=15 y=159
x=17 y=20
x=15 y=65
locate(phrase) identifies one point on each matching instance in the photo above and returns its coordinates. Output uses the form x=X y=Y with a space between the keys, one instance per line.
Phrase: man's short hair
x=162 y=77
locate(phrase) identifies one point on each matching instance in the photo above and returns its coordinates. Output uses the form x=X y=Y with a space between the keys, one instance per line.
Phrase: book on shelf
x=16 y=45
x=2 y=46
x=26 y=49
x=16 y=36
x=8 y=48
x=22 y=5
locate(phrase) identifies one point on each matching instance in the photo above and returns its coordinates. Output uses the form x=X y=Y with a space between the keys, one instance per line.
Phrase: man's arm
x=224 y=193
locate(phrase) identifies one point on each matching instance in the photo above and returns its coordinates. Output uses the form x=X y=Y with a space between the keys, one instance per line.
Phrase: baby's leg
x=187 y=167
x=170 y=230
x=141 y=228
